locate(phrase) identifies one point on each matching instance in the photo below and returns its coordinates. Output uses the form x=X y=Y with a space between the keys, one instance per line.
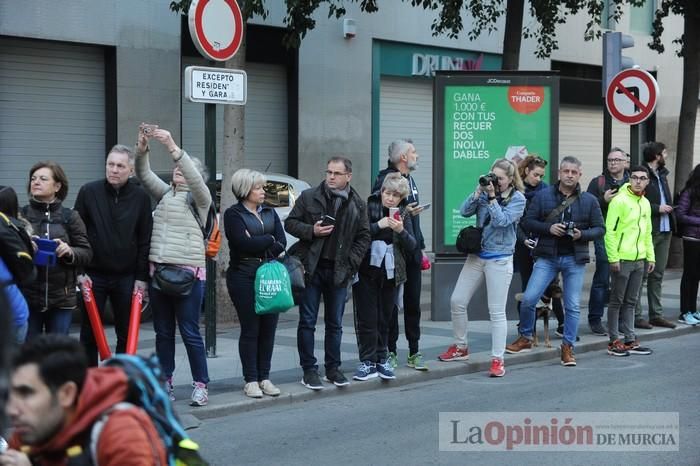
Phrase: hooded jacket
x=128 y=436
x=628 y=227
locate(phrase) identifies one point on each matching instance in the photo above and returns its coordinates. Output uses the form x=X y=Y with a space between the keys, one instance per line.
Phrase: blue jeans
x=600 y=288
x=543 y=272
x=334 y=305
x=185 y=309
x=53 y=320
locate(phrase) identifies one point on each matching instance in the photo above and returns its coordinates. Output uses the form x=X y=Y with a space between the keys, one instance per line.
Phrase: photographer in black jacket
x=117 y=215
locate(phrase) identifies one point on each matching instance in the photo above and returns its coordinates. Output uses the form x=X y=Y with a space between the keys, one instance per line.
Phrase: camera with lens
x=490 y=178
x=570 y=228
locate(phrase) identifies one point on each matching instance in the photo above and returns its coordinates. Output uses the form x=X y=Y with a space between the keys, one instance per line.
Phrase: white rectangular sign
x=216 y=85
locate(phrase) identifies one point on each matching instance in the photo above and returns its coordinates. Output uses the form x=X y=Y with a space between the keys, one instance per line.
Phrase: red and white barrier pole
x=95 y=322
x=132 y=341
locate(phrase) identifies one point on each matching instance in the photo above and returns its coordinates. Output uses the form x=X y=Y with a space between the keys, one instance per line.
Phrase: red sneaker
x=497 y=368
x=454 y=353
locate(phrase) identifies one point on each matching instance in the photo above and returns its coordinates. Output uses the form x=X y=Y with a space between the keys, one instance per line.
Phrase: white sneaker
x=200 y=394
x=696 y=315
x=689 y=319
x=269 y=389
x=252 y=389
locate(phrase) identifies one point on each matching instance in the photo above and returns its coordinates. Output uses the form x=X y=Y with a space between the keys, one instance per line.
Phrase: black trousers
x=257 y=338
x=373 y=302
x=690 y=277
x=118 y=288
x=411 y=310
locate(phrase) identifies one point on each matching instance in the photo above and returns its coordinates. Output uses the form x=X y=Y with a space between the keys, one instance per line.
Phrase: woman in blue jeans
x=254 y=233
x=177 y=245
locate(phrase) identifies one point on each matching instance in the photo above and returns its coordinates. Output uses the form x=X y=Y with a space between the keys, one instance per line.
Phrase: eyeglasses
x=617 y=160
x=639 y=178
x=332 y=173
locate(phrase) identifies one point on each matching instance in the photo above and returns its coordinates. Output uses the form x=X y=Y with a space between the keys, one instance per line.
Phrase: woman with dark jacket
x=51 y=297
x=381 y=271
x=688 y=217
x=254 y=233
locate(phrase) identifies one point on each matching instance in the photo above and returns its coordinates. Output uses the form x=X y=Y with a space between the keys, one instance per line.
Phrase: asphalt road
x=400 y=425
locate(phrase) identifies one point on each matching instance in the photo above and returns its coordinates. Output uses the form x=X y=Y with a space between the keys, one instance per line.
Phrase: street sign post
x=631 y=96
x=216 y=27
x=216 y=85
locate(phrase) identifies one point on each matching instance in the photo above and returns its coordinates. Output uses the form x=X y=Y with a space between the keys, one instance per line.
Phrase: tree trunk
x=689 y=108
x=513 y=34
x=234 y=158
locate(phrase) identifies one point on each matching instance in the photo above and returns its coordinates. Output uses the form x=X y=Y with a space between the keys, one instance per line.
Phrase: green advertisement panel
x=479 y=119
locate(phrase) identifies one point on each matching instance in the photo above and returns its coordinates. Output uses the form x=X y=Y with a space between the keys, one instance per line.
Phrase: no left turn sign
x=631 y=96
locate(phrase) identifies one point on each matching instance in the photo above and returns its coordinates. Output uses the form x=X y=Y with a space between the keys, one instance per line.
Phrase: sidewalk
x=226 y=386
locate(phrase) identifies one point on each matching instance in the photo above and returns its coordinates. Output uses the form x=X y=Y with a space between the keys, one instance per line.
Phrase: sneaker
x=170 y=389
x=689 y=319
x=200 y=394
x=385 y=370
x=696 y=315
x=567 y=355
x=365 y=371
x=455 y=353
x=336 y=377
x=415 y=361
x=521 y=345
x=393 y=360
x=312 y=380
x=616 y=348
x=497 y=368
x=661 y=322
x=269 y=389
x=598 y=329
x=560 y=333
x=641 y=323
x=252 y=389
x=633 y=347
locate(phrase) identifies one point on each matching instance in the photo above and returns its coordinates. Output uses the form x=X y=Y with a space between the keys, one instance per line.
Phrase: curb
x=295 y=393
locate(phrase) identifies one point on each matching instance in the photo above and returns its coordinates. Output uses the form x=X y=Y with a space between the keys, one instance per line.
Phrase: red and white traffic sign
x=216 y=27
x=631 y=96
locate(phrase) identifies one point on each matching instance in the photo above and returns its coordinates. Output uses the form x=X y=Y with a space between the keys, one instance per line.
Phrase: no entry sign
x=631 y=96
x=216 y=27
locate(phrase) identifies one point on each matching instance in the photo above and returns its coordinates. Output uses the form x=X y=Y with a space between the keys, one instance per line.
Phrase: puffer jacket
x=688 y=215
x=584 y=212
x=404 y=243
x=55 y=286
x=628 y=228
x=352 y=223
x=176 y=238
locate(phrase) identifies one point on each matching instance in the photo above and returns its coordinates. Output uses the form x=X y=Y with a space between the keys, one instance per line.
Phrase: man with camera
x=604 y=187
x=117 y=215
x=565 y=219
x=331 y=223
x=403 y=159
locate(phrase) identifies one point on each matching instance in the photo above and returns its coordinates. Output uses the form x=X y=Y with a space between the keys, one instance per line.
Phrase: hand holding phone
x=394 y=213
x=424 y=206
x=327 y=220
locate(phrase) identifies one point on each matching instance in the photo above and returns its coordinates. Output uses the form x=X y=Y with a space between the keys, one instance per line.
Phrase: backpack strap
x=193 y=208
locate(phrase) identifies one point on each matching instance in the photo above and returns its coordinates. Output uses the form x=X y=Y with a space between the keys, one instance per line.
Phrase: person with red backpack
x=604 y=187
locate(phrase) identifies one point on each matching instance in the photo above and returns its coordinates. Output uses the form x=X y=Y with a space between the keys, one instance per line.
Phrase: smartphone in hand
x=327 y=220
x=394 y=213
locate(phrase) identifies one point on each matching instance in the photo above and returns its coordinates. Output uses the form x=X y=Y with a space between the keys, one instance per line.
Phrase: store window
x=642 y=17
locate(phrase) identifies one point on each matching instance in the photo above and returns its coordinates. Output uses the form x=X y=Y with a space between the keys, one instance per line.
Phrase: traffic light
x=613 y=60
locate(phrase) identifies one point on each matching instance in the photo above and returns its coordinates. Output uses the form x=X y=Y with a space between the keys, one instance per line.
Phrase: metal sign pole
x=210 y=294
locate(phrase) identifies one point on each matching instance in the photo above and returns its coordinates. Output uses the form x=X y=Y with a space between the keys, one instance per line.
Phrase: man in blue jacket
x=565 y=219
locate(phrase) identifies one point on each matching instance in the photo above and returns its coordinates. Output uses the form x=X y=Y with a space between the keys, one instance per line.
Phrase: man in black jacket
x=663 y=223
x=331 y=223
x=604 y=187
x=403 y=158
x=117 y=216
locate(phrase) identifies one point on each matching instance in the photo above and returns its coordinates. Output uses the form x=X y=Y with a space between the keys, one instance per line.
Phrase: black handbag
x=173 y=280
x=469 y=240
x=295 y=269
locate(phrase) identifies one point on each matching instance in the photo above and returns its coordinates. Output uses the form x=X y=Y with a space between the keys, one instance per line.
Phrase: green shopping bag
x=273 y=289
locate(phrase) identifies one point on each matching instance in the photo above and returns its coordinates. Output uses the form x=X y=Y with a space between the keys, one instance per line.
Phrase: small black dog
x=543 y=309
